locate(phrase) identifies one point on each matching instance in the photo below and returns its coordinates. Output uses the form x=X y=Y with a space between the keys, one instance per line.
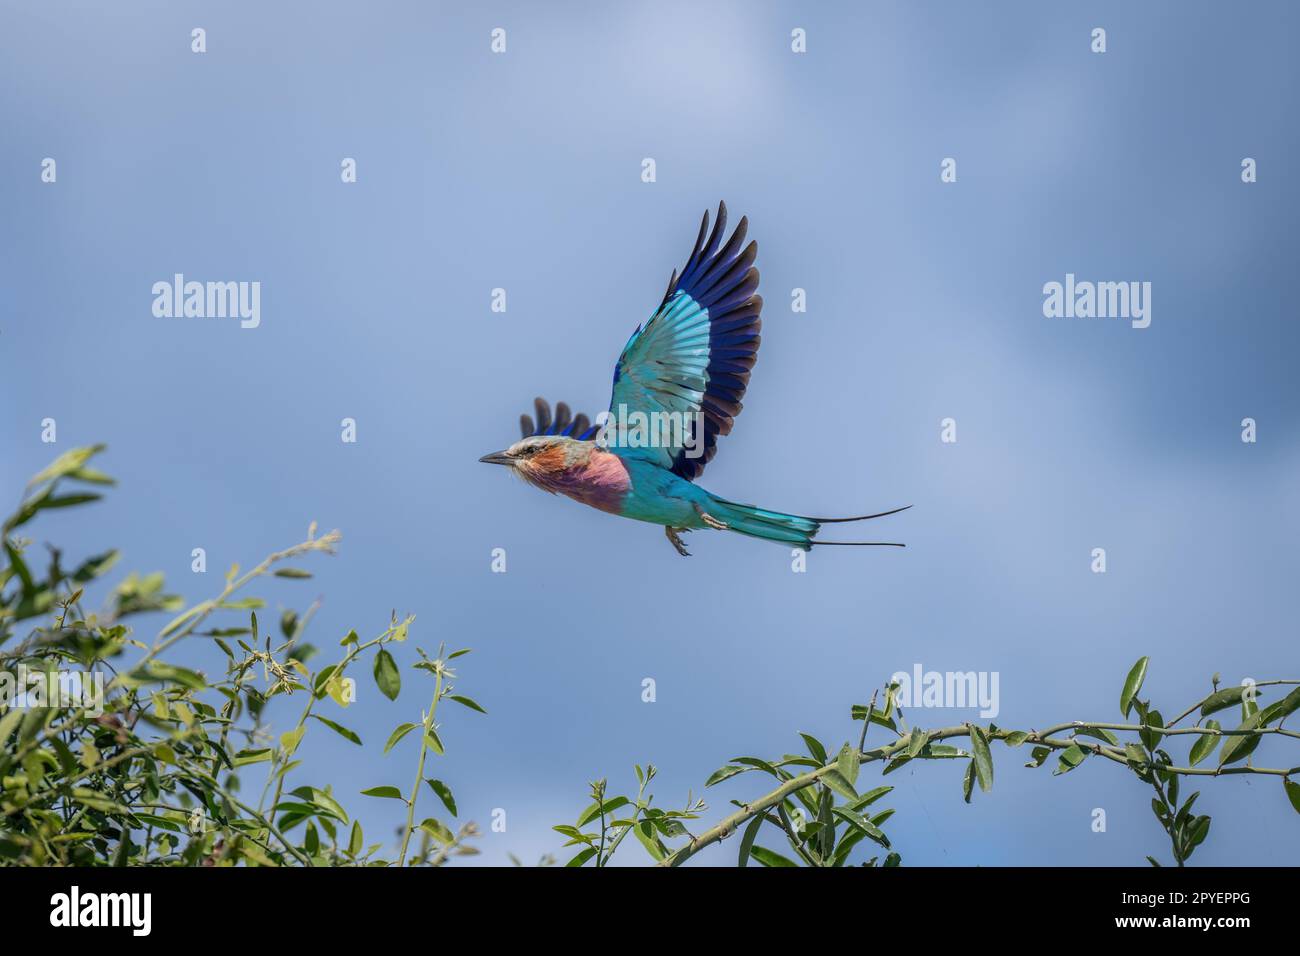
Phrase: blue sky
x=522 y=171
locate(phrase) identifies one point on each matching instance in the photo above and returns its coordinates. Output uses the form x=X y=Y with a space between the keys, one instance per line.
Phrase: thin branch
x=1046 y=738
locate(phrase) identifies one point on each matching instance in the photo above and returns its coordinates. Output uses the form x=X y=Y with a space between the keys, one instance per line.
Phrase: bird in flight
x=677 y=387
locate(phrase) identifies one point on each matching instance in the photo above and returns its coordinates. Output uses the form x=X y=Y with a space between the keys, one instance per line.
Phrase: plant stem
x=419 y=770
x=352 y=654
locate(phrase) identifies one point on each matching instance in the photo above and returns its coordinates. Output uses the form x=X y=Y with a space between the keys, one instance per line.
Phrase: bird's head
x=540 y=458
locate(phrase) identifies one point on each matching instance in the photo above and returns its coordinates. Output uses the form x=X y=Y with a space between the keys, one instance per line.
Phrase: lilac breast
x=603 y=482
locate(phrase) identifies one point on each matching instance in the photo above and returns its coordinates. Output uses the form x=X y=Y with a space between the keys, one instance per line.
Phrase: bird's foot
x=677 y=541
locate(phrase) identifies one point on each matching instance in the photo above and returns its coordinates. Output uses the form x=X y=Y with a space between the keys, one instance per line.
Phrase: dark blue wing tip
x=564 y=423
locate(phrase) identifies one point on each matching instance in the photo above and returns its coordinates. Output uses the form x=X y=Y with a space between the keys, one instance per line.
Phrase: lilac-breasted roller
x=677 y=387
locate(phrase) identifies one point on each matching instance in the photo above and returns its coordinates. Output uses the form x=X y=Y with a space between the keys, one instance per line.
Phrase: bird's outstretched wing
x=564 y=422
x=693 y=357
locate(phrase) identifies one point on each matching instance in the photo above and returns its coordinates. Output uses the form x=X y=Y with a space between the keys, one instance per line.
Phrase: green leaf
x=468 y=702
x=96 y=566
x=1281 y=708
x=870 y=797
x=292 y=573
x=815 y=747
x=669 y=827
x=391 y=793
x=157 y=670
x=323 y=801
x=320 y=683
x=184 y=616
x=917 y=741
x=1205 y=744
x=895 y=763
x=575 y=835
x=837 y=782
x=1133 y=684
x=43 y=500
x=312 y=842
x=434 y=741
x=401 y=731
x=872 y=831
x=290 y=739
x=339 y=729
x=444 y=794
x=760 y=763
x=847 y=765
x=1221 y=700
x=942 y=752
x=67 y=463
x=437 y=830
x=357 y=840
x=1240 y=746
x=862 y=712
x=851 y=838
x=982 y=759
x=593 y=811
x=1016 y=738
x=245 y=757
x=1150 y=737
x=92 y=476
x=1185 y=811
x=644 y=831
x=1097 y=733
x=1071 y=757
x=723 y=773
x=243 y=604
x=582 y=857
x=387 y=675
x=968 y=782
x=68 y=501
x=751 y=832
x=8 y=723
x=769 y=858
x=1292 y=792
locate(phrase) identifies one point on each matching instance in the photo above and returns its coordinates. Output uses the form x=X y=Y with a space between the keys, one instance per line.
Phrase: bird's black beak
x=498 y=458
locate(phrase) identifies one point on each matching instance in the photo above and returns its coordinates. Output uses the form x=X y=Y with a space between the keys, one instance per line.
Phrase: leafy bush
x=820 y=812
x=153 y=776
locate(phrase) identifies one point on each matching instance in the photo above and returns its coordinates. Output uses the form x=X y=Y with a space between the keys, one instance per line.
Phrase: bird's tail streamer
x=798 y=531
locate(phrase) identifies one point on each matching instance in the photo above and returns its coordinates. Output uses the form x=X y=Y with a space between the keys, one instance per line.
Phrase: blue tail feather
x=768 y=525
x=797 y=530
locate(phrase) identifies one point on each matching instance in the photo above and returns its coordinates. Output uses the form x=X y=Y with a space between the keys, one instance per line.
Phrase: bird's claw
x=677 y=541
